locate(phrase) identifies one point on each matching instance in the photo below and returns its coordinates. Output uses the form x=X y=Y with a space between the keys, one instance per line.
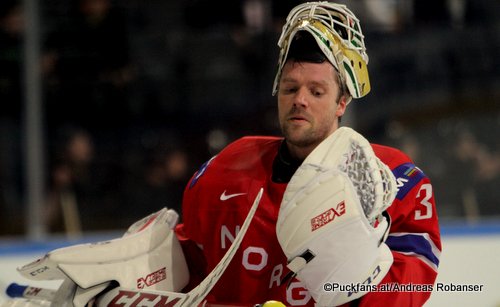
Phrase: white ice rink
x=470 y=256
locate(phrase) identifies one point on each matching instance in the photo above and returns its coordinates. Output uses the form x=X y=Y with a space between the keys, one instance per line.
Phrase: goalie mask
x=338 y=35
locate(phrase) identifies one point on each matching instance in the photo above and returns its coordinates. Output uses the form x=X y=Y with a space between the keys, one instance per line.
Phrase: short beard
x=306 y=140
x=310 y=137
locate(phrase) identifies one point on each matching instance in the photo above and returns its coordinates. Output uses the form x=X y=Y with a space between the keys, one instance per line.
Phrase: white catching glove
x=148 y=257
x=330 y=225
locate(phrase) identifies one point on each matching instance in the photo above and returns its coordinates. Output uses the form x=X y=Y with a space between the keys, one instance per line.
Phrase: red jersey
x=219 y=196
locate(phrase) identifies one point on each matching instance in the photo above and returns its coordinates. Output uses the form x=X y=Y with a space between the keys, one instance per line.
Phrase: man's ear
x=341 y=106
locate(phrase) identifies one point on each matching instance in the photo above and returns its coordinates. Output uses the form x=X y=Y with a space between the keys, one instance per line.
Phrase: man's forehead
x=315 y=71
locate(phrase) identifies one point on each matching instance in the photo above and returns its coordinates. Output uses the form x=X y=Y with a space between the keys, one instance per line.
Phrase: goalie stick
x=195 y=296
x=15 y=290
x=117 y=297
x=35 y=296
x=131 y=297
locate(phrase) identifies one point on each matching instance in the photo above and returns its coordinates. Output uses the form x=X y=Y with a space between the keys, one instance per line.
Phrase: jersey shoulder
x=391 y=156
x=249 y=145
x=246 y=153
x=245 y=157
x=407 y=174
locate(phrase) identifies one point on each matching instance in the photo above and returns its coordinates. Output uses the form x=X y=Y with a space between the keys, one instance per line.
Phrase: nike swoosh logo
x=225 y=196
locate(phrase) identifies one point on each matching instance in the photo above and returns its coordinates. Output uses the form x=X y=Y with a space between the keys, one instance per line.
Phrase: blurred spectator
x=163 y=176
x=87 y=82
x=485 y=172
x=468 y=183
x=456 y=184
x=384 y=16
x=72 y=185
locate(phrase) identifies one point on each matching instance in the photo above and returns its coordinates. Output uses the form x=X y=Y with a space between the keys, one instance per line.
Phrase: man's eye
x=317 y=93
x=289 y=90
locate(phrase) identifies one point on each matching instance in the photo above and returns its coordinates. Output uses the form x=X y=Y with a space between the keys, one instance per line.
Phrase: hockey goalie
x=317 y=217
x=332 y=229
x=340 y=219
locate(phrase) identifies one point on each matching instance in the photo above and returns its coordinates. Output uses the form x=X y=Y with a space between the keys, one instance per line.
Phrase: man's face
x=308 y=105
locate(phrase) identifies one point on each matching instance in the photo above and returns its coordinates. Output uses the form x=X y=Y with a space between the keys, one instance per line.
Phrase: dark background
x=136 y=95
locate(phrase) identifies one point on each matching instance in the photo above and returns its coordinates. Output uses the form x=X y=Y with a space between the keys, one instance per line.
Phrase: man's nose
x=300 y=99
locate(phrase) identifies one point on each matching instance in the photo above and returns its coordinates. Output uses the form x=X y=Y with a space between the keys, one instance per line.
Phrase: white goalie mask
x=338 y=34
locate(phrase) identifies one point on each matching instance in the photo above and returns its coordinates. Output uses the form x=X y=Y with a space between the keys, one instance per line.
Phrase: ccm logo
x=133 y=299
x=152 y=278
x=39 y=271
x=327 y=216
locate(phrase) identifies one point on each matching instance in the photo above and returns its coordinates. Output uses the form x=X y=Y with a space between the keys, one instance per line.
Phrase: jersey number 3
x=424 y=213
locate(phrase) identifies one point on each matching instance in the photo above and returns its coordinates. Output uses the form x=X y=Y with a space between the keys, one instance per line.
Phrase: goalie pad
x=330 y=225
x=148 y=256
